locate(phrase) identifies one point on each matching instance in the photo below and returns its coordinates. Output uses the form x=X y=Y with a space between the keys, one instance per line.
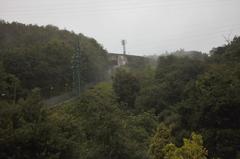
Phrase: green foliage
x=198 y=93
x=99 y=116
x=126 y=86
x=104 y=130
x=172 y=75
x=9 y=85
x=218 y=104
x=140 y=128
x=188 y=91
x=41 y=57
x=191 y=149
x=228 y=53
x=212 y=103
x=161 y=138
x=25 y=132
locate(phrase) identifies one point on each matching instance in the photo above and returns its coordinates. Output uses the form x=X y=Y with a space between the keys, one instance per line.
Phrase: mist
x=148 y=26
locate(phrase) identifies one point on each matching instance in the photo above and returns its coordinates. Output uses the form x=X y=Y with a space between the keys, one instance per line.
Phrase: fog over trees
x=184 y=105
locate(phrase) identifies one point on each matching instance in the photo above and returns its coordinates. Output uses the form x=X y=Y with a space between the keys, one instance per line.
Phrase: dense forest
x=184 y=106
x=33 y=56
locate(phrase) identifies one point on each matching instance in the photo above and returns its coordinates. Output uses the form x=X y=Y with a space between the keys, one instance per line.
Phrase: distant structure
x=117 y=59
x=133 y=61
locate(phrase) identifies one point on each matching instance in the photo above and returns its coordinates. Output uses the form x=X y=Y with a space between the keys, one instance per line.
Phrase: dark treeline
x=185 y=107
x=41 y=56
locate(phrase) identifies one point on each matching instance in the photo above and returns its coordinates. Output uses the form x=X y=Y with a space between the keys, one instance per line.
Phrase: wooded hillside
x=40 y=56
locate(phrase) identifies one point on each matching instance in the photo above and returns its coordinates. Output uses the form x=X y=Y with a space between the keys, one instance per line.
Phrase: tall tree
x=126 y=86
x=191 y=149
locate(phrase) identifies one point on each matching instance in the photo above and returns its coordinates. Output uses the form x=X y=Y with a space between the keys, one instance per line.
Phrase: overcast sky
x=149 y=26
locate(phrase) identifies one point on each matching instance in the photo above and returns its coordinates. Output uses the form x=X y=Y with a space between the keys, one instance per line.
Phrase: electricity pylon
x=76 y=66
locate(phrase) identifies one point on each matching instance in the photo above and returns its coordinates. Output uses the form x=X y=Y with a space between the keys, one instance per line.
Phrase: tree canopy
x=145 y=112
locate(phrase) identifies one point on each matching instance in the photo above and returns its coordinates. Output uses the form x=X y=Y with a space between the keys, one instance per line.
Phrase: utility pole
x=76 y=65
x=124 y=46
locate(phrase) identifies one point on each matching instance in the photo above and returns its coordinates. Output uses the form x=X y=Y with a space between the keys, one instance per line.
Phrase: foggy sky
x=149 y=26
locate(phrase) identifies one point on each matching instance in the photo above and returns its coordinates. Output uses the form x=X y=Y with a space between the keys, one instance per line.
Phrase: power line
x=174 y=41
x=194 y=33
x=126 y=3
x=92 y=10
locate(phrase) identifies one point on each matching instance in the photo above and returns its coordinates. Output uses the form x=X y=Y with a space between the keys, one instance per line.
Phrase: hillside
x=40 y=56
x=185 y=105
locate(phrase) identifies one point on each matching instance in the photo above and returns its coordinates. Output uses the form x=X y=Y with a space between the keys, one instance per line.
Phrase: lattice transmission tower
x=76 y=66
